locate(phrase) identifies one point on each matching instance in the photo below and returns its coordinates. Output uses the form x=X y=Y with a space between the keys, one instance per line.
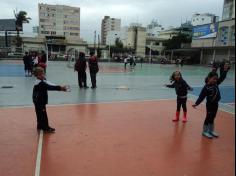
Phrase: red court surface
x=117 y=139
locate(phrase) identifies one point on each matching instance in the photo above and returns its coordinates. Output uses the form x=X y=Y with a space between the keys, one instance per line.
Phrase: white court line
x=113 y=102
x=39 y=154
x=80 y=104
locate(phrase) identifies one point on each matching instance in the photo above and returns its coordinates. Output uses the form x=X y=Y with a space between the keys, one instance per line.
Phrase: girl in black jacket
x=181 y=88
x=212 y=93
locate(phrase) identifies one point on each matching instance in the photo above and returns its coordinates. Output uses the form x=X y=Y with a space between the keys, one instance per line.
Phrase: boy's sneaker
x=206 y=132
x=207 y=135
x=49 y=130
x=212 y=131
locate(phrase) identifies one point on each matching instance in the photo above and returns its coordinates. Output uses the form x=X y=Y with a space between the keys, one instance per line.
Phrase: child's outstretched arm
x=202 y=96
x=170 y=85
x=52 y=87
x=188 y=86
x=223 y=75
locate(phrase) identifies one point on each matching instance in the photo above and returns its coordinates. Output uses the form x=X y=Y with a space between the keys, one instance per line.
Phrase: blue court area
x=227 y=93
x=11 y=70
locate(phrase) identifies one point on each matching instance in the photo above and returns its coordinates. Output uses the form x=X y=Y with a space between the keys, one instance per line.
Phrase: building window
x=74 y=34
x=233 y=35
x=44 y=32
x=224 y=35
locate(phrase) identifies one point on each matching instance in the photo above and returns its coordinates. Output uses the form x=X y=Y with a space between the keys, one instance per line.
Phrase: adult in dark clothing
x=43 y=61
x=141 y=62
x=181 y=88
x=93 y=68
x=40 y=99
x=80 y=67
x=131 y=60
x=182 y=62
x=28 y=64
x=212 y=93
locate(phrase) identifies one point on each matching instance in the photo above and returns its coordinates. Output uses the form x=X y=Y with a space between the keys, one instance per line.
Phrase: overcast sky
x=168 y=12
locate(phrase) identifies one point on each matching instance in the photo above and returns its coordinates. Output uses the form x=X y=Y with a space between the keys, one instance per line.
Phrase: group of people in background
x=32 y=60
x=81 y=67
x=130 y=60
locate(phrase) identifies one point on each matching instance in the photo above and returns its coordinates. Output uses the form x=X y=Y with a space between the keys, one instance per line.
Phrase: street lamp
x=150 y=54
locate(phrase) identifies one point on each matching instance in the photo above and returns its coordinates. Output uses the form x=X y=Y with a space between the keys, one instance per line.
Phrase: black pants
x=82 y=79
x=126 y=65
x=93 y=76
x=181 y=102
x=42 y=118
x=211 y=113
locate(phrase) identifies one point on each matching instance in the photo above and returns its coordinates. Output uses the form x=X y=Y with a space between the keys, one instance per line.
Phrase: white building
x=228 y=10
x=154 y=29
x=206 y=18
x=109 y=24
x=112 y=36
x=122 y=35
x=59 y=20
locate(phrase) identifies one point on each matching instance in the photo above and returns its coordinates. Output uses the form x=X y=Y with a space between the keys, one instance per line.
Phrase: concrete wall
x=202 y=43
x=141 y=42
x=220 y=54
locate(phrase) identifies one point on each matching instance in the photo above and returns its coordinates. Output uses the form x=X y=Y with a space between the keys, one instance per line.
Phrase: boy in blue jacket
x=212 y=93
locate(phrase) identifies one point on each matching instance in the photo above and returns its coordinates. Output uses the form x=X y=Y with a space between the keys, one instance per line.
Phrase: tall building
x=59 y=20
x=136 y=40
x=228 y=10
x=202 y=19
x=109 y=24
x=154 y=29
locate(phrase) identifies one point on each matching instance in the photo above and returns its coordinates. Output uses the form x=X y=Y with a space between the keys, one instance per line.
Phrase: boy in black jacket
x=40 y=99
x=181 y=88
x=212 y=93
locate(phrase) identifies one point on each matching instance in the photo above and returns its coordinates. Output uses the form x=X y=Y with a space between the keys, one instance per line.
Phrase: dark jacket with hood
x=181 y=88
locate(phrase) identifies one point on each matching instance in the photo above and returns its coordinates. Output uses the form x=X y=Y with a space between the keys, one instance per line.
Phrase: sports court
x=123 y=128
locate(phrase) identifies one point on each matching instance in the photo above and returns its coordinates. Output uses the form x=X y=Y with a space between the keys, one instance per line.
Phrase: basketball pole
x=6 y=39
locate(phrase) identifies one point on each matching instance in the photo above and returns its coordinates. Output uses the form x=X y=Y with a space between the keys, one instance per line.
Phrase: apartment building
x=228 y=10
x=216 y=41
x=109 y=24
x=59 y=20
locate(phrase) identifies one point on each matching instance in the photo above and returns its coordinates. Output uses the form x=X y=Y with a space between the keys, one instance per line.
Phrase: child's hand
x=194 y=106
x=64 y=88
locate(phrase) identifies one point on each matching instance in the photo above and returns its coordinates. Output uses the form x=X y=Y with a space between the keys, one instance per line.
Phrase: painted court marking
x=39 y=154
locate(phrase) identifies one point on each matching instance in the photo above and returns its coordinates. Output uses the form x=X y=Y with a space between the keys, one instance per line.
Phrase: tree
x=176 y=41
x=119 y=43
x=21 y=18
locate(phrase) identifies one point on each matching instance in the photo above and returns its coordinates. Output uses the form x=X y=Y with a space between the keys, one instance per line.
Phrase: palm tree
x=21 y=18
